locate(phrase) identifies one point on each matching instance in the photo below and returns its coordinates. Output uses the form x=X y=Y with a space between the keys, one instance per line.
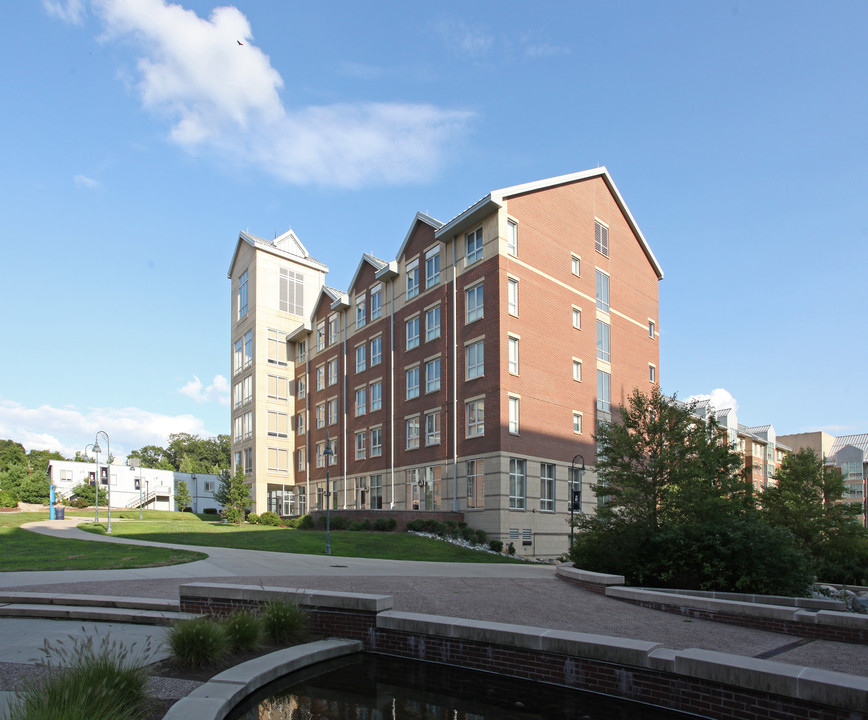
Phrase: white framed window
x=577 y=370
x=361 y=401
x=320 y=454
x=601 y=238
x=248 y=461
x=376 y=395
x=278 y=460
x=333 y=411
x=412 y=326
x=432 y=323
x=334 y=333
x=576 y=265
x=237 y=431
x=320 y=336
x=242 y=295
x=278 y=424
x=361 y=317
x=248 y=348
x=320 y=377
x=301 y=422
x=577 y=422
x=333 y=371
x=361 y=445
x=360 y=358
x=602 y=291
x=301 y=351
x=432 y=375
x=474 y=356
x=577 y=318
x=512 y=238
x=604 y=391
x=247 y=422
x=473 y=246
x=291 y=292
x=247 y=389
x=652 y=329
x=475 y=413
x=238 y=356
x=412 y=428
x=475 y=484
x=652 y=373
x=512 y=296
x=517 y=484
x=302 y=460
x=514 y=407
x=376 y=302
x=513 y=355
x=432 y=267
x=301 y=388
x=603 y=342
x=277 y=387
x=412 y=382
x=376 y=442
x=412 y=279
x=376 y=350
x=474 y=304
x=320 y=415
x=432 y=427
x=236 y=395
x=546 y=487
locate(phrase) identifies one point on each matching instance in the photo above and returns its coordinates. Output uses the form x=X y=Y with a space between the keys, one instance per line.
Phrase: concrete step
x=93 y=614
x=100 y=601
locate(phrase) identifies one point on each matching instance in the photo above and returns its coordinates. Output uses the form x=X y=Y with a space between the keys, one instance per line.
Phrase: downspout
x=454 y=380
x=344 y=403
x=307 y=419
x=392 y=387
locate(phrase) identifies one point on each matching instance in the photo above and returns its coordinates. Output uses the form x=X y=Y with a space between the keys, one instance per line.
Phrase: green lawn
x=391 y=545
x=26 y=550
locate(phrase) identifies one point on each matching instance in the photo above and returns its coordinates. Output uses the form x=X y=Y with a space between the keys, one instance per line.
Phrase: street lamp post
x=575 y=495
x=327 y=453
x=96 y=449
x=95 y=483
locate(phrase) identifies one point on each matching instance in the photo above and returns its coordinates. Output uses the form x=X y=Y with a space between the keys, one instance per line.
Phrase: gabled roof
x=287 y=246
x=858 y=441
x=423 y=218
x=494 y=201
x=371 y=260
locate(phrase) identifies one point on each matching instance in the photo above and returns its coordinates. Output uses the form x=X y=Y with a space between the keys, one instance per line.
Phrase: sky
x=139 y=137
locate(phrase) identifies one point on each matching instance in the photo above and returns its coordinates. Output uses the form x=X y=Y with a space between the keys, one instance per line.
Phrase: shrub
x=270 y=518
x=415 y=525
x=380 y=524
x=338 y=522
x=391 y=523
x=355 y=526
x=8 y=499
x=197 y=642
x=210 y=511
x=496 y=545
x=243 y=631
x=253 y=519
x=232 y=514
x=284 y=622
x=468 y=534
x=511 y=549
x=480 y=537
x=79 y=503
x=305 y=522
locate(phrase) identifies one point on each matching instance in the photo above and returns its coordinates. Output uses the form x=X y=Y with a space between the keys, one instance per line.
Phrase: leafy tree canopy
x=234 y=495
x=183 y=499
x=11 y=453
x=187 y=453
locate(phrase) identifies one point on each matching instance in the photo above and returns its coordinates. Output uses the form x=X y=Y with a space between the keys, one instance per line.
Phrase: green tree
x=152 y=456
x=11 y=453
x=39 y=459
x=234 y=495
x=675 y=509
x=87 y=493
x=183 y=499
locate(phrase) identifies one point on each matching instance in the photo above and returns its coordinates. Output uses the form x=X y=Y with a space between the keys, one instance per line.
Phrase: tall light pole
x=327 y=453
x=575 y=495
x=95 y=483
x=96 y=449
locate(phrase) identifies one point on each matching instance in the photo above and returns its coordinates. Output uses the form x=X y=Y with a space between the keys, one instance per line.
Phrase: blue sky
x=138 y=138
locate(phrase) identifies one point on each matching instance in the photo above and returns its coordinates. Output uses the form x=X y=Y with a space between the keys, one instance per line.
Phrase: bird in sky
x=239 y=42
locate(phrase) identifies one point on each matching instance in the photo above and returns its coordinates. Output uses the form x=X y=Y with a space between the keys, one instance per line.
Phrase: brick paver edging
x=718 y=685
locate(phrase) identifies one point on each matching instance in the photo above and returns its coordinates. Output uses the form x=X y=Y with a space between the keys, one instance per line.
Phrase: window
x=376 y=442
x=361 y=401
x=412 y=382
x=376 y=492
x=513 y=415
x=333 y=411
x=604 y=391
x=301 y=392
x=333 y=371
x=432 y=267
x=239 y=464
x=576 y=264
x=247 y=422
x=209 y=486
x=361 y=445
x=278 y=387
x=603 y=351
x=376 y=350
x=248 y=461
x=432 y=427
x=513 y=355
x=320 y=454
x=376 y=302
x=333 y=460
x=432 y=323
x=517 y=484
x=278 y=460
x=473 y=303
x=474 y=355
x=602 y=291
x=412 y=426
x=360 y=312
x=238 y=356
x=512 y=238
x=302 y=460
x=320 y=415
x=278 y=424
x=577 y=370
x=413 y=279
x=475 y=412
x=475 y=484
x=320 y=336
x=301 y=422
x=577 y=423
x=334 y=334
x=301 y=351
x=320 y=377
x=242 y=295
x=577 y=318
x=236 y=395
x=652 y=327
x=360 y=358
x=248 y=348
x=546 y=487
x=277 y=348
x=376 y=395
x=432 y=375
x=237 y=429
x=292 y=292
x=601 y=239
x=512 y=296
x=652 y=373
x=413 y=332
x=473 y=242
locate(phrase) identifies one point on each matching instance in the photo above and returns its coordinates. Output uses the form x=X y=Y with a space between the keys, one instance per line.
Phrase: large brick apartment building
x=466 y=374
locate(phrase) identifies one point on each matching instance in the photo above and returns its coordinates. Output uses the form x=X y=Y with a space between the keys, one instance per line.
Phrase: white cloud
x=221 y=93
x=71 y=11
x=68 y=429
x=86 y=183
x=720 y=398
x=217 y=391
x=461 y=39
x=544 y=50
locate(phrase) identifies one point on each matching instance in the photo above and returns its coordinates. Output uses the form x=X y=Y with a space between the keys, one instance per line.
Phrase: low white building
x=134 y=487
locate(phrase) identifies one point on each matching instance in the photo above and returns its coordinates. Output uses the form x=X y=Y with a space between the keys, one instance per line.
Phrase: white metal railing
x=142 y=500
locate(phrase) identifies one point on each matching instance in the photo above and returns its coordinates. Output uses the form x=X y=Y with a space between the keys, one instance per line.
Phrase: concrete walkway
x=526 y=594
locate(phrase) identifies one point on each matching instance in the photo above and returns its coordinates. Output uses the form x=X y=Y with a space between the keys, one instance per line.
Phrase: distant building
x=132 y=487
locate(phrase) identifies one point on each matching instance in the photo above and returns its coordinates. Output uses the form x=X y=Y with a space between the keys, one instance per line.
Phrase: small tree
x=87 y=493
x=183 y=499
x=234 y=495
